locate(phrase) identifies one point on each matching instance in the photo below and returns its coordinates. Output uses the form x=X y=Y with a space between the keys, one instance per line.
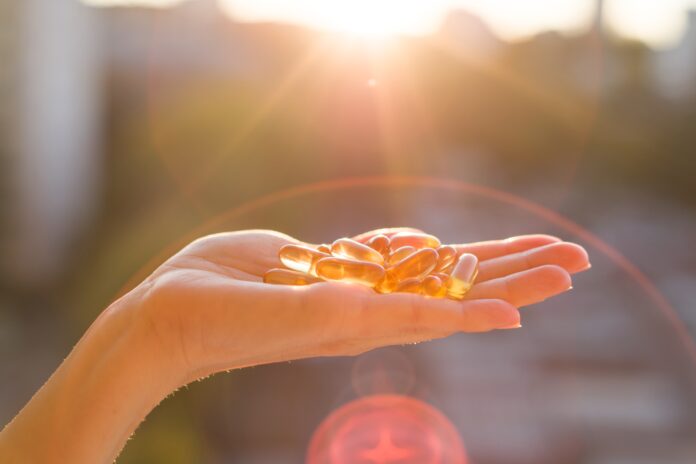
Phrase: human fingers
x=570 y=256
x=526 y=287
x=494 y=248
x=411 y=312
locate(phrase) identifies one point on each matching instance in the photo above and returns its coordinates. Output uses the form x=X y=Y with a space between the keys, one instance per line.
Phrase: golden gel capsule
x=447 y=256
x=444 y=277
x=348 y=270
x=288 y=277
x=411 y=285
x=386 y=285
x=399 y=254
x=324 y=248
x=347 y=248
x=433 y=286
x=300 y=258
x=463 y=276
x=379 y=243
x=417 y=264
x=415 y=240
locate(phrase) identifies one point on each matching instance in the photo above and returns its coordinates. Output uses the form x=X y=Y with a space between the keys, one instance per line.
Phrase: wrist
x=125 y=328
x=94 y=401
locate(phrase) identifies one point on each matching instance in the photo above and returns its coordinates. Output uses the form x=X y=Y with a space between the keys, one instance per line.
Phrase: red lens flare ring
x=386 y=429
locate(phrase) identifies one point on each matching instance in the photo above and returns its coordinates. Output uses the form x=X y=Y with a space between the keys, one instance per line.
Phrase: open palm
x=210 y=311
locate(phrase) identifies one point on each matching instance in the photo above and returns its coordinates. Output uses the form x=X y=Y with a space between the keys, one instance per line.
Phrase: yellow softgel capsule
x=348 y=248
x=348 y=270
x=386 y=285
x=324 y=248
x=433 y=286
x=447 y=255
x=410 y=285
x=300 y=258
x=288 y=277
x=463 y=276
x=415 y=240
x=417 y=264
x=379 y=243
x=401 y=253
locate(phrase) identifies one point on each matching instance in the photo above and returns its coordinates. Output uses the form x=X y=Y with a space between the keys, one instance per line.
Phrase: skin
x=206 y=310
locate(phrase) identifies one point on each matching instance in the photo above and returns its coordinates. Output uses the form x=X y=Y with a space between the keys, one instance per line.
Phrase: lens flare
x=386 y=429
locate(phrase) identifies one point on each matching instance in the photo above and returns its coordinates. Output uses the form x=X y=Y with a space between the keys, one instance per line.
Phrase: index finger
x=496 y=248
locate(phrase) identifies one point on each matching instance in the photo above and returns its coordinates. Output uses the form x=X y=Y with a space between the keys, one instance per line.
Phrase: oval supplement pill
x=348 y=270
x=401 y=253
x=447 y=256
x=417 y=264
x=411 y=285
x=348 y=248
x=415 y=240
x=288 y=277
x=379 y=243
x=433 y=286
x=300 y=258
x=463 y=276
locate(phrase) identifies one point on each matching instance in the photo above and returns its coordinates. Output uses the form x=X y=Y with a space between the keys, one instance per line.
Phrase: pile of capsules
x=406 y=262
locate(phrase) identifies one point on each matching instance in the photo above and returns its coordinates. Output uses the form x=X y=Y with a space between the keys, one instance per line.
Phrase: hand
x=208 y=309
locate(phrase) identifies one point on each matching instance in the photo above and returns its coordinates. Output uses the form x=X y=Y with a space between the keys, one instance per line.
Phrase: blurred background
x=128 y=127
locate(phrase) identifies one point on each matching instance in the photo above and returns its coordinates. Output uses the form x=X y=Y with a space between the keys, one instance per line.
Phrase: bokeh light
x=386 y=429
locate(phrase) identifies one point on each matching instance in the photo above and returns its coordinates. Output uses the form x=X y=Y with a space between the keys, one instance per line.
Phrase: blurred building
x=50 y=86
x=675 y=68
x=193 y=37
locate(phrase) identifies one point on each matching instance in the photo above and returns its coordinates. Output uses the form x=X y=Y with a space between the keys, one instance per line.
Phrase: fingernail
x=513 y=326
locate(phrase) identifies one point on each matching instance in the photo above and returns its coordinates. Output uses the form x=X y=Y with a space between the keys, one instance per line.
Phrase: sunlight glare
x=361 y=19
x=364 y=18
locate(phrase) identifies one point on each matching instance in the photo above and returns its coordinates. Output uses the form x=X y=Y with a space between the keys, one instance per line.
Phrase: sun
x=368 y=19
x=360 y=20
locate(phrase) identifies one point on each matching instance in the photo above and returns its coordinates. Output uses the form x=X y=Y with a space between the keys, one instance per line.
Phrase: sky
x=658 y=22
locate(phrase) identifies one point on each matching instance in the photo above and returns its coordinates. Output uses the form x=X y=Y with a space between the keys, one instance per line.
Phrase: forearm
x=94 y=401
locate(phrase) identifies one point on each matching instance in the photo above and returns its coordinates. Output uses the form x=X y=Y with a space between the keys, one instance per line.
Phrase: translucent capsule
x=348 y=248
x=348 y=270
x=410 y=285
x=434 y=286
x=447 y=255
x=399 y=254
x=387 y=285
x=288 y=277
x=300 y=258
x=324 y=248
x=463 y=276
x=415 y=240
x=379 y=243
x=417 y=264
